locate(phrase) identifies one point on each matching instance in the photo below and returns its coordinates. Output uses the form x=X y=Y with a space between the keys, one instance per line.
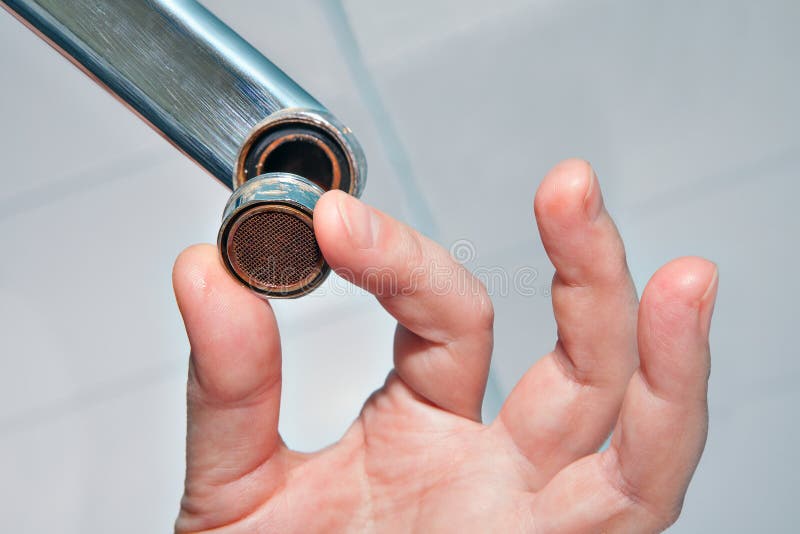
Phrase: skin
x=418 y=458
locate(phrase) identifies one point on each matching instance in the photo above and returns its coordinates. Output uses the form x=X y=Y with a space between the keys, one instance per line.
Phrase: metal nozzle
x=267 y=236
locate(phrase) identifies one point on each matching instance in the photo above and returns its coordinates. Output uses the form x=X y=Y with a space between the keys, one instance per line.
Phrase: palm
x=418 y=459
x=403 y=466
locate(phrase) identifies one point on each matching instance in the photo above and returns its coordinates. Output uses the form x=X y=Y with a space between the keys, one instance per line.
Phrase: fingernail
x=593 y=201
x=712 y=286
x=707 y=301
x=361 y=224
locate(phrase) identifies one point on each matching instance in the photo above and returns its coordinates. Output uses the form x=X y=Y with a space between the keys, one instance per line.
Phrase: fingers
x=444 y=338
x=233 y=392
x=639 y=482
x=566 y=405
x=662 y=428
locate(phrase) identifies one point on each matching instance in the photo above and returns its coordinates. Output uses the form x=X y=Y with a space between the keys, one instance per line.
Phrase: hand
x=418 y=458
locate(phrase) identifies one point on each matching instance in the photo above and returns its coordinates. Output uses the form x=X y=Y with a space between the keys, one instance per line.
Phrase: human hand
x=418 y=458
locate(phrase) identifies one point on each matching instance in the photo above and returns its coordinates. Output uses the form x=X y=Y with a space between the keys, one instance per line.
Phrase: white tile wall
x=687 y=110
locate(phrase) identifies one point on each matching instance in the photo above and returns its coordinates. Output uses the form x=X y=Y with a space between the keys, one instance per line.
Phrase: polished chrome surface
x=180 y=68
x=274 y=187
x=272 y=190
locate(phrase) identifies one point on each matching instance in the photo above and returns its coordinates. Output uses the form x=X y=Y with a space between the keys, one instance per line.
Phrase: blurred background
x=688 y=111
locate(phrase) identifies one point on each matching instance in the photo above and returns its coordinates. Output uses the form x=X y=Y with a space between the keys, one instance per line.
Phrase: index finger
x=444 y=342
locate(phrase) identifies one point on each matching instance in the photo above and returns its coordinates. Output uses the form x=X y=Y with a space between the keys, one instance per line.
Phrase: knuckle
x=413 y=253
x=484 y=312
x=416 y=272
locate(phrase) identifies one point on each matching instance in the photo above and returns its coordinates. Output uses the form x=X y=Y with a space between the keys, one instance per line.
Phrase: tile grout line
x=387 y=131
x=398 y=156
x=766 y=167
x=88 y=398
x=106 y=172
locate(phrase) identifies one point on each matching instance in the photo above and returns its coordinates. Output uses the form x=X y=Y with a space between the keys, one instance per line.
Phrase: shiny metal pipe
x=228 y=108
x=190 y=76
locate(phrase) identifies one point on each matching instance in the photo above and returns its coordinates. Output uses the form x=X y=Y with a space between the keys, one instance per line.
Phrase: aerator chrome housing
x=267 y=236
